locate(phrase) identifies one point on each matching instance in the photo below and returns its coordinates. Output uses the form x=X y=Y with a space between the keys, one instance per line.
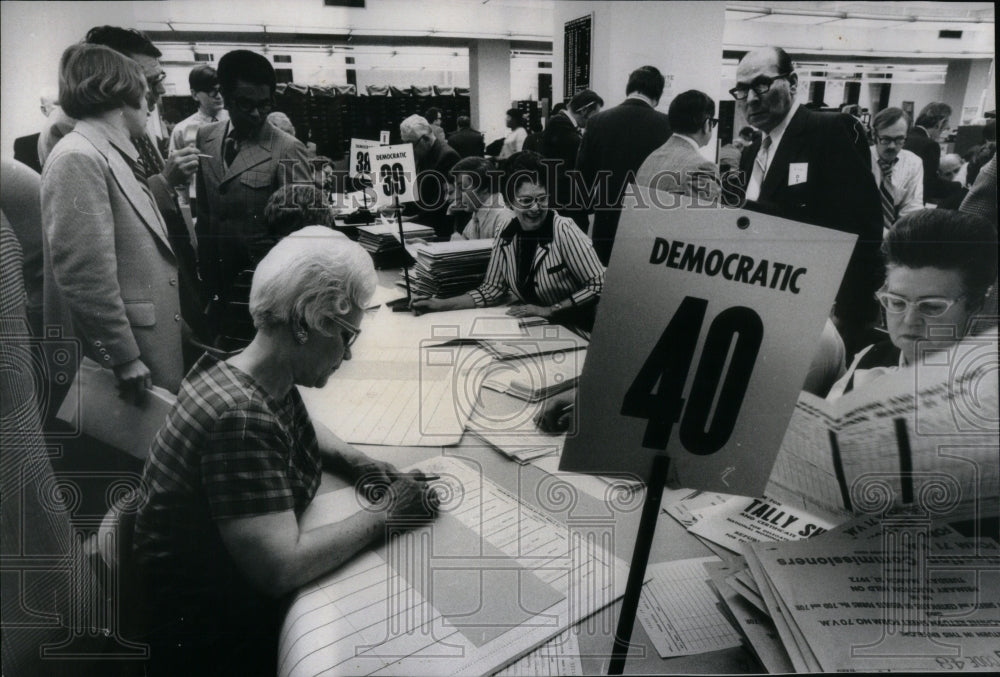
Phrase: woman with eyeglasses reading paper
x=540 y=257
x=217 y=545
x=940 y=266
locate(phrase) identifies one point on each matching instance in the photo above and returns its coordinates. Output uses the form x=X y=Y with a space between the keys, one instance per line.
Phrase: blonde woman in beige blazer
x=110 y=274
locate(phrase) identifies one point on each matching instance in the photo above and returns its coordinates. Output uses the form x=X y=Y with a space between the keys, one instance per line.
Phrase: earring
x=301 y=336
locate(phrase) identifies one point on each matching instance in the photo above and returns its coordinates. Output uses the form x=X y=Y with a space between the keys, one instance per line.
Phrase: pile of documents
x=446 y=269
x=901 y=593
x=382 y=237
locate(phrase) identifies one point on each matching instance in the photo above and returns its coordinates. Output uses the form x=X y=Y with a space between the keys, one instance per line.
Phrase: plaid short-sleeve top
x=228 y=449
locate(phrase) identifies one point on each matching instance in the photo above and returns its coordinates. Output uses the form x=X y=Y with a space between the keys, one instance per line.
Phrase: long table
x=621 y=518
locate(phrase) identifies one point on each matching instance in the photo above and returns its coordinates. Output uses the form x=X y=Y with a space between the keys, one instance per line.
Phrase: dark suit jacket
x=561 y=142
x=26 y=151
x=929 y=152
x=431 y=207
x=617 y=141
x=839 y=193
x=467 y=142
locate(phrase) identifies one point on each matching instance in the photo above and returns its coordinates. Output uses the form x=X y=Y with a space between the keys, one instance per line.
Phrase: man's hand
x=180 y=166
x=557 y=415
x=134 y=379
x=419 y=305
x=529 y=310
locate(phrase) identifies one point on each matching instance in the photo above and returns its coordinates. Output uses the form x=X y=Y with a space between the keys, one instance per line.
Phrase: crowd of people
x=256 y=294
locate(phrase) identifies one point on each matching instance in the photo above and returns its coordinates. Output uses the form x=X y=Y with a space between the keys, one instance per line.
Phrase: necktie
x=230 y=151
x=149 y=159
x=888 y=193
x=761 y=160
x=137 y=170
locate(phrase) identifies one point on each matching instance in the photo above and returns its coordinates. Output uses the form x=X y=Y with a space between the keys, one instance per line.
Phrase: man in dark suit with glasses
x=815 y=168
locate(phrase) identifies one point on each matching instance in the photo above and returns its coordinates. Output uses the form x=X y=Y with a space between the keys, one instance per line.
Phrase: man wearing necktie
x=899 y=173
x=205 y=90
x=814 y=168
x=244 y=160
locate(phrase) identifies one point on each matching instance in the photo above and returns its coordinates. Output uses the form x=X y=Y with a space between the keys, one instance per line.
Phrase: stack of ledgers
x=446 y=269
x=383 y=237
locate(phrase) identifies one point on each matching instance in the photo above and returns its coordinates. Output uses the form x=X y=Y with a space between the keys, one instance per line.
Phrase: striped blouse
x=564 y=269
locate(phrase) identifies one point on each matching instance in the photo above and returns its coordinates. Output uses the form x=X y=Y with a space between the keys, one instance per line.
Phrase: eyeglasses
x=529 y=201
x=214 y=91
x=249 y=105
x=934 y=306
x=155 y=78
x=713 y=123
x=890 y=140
x=760 y=86
x=354 y=332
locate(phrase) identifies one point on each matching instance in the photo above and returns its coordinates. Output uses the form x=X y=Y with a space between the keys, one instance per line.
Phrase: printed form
x=487 y=582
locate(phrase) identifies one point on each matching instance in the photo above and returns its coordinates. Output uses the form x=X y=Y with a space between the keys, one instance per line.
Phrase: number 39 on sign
x=394 y=173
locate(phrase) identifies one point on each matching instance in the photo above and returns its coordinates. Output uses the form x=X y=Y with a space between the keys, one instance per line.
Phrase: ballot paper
x=559 y=657
x=406 y=330
x=905 y=604
x=446 y=269
x=537 y=377
x=759 y=634
x=678 y=610
x=381 y=237
x=415 y=396
x=487 y=582
x=900 y=436
x=743 y=520
x=686 y=505
x=620 y=491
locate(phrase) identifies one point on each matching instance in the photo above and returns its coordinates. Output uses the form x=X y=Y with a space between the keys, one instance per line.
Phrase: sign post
x=360 y=168
x=703 y=337
x=396 y=171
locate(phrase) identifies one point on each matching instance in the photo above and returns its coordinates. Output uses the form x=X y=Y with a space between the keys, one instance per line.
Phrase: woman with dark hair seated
x=940 y=266
x=542 y=258
x=217 y=542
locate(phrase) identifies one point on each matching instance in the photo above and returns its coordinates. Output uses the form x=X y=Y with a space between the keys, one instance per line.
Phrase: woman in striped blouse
x=540 y=257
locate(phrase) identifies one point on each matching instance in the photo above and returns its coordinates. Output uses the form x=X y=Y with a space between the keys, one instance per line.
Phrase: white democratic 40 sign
x=707 y=325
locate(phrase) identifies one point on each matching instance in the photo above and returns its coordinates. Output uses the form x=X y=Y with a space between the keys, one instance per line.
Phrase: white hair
x=309 y=277
x=414 y=127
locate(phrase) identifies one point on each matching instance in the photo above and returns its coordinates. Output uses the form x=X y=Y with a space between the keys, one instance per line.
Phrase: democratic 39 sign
x=705 y=331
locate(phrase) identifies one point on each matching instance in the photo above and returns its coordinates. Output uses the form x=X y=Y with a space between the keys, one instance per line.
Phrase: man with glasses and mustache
x=205 y=91
x=677 y=166
x=815 y=168
x=244 y=160
x=898 y=172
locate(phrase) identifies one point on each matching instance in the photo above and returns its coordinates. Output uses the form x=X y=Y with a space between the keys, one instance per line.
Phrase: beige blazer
x=231 y=200
x=110 y=274
x=676 y=167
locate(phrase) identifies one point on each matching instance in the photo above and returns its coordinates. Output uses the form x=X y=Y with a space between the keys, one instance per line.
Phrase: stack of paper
x=901 y=594
x=382 y=237
x=539 y=377
x=535 y=339
x=446 y=269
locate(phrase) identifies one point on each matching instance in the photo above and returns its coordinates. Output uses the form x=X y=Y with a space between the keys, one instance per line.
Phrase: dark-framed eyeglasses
x=263 y=106
x=352 y=332
x=760 y=86
x=155 y=79
x=931 y=306
x=890 y=140
x=214 y=91
x=712 y=123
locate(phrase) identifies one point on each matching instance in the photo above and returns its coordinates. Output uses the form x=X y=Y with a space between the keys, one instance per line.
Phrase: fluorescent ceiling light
x=218 y=28
x=797 y=19
x=152 y=26
x=864 y=22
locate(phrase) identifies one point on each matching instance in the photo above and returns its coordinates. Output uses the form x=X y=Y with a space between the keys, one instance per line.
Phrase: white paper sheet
x=559 y=657
x=678 y=610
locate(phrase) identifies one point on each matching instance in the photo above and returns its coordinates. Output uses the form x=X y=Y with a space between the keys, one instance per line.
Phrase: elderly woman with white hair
x=217 y=541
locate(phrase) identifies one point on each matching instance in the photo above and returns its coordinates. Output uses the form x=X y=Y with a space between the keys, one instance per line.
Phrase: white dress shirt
x=907 y=180
x=756 y=176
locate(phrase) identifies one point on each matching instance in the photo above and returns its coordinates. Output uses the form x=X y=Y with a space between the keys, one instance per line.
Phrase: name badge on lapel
x=798 y=172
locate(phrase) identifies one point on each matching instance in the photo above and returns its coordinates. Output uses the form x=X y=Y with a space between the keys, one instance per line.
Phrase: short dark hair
x=581 y=101
x=933 y=113
x=890 y=116
x=242 y=64
x=127 y=41
x=432 y=114
x=94 y=79
x=646 y=80
x=785 y=64
x=516 y=115
x=483 y=171
x=943 y=238
x=689 y=110
x=463 y=121
x=293 y=207
x=522 y=167
x=203 y=78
